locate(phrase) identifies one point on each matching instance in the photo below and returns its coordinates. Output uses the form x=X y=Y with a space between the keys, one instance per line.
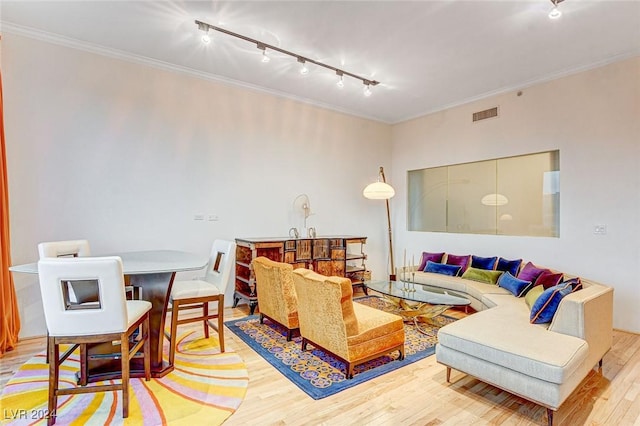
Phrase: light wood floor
x=418 y=394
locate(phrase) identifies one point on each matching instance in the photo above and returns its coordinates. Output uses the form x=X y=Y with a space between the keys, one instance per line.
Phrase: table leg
x=156 y=289
x=416 y=313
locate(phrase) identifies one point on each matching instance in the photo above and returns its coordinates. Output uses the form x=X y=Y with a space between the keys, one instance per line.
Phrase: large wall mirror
x=505 y=196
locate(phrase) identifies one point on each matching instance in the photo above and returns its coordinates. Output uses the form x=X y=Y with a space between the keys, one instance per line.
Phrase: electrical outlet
x=213 y=217
x=198 y=217
x=600 y=229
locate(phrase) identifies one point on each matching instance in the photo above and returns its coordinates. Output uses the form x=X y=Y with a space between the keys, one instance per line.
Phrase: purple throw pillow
x=549 y=279
x=461 y=261
x=531 y=272
x=429 y=257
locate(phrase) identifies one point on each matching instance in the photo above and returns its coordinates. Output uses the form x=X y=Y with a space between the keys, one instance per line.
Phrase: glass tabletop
x=422 y=293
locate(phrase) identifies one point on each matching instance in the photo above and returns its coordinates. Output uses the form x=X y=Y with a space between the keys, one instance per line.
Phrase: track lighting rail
x=204 y=26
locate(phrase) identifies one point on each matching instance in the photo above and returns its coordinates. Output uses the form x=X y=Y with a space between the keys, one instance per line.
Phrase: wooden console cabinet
x=339 y=255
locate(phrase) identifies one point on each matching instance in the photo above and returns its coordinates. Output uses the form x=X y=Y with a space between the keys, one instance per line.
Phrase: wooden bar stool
x=197 y=294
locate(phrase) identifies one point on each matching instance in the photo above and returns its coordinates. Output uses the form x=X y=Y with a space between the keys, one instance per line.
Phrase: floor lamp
x=381 y=190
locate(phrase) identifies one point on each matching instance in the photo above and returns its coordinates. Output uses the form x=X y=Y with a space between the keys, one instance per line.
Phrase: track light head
x=304 y=70
x=367 y=88
x=265 y=57
x=206 y=38
x=555 y=13
x=340 y=82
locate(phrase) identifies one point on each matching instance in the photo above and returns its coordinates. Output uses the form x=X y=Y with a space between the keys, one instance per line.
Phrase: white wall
x=593 y=118
x=125 y=155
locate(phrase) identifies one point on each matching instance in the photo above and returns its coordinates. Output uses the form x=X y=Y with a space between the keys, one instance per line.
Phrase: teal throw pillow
x=516 y=286
x=546 y=305
x=441 y=268
x=482 y=275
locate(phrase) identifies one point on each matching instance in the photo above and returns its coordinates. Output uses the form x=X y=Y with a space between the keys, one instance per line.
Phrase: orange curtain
x=10 y=319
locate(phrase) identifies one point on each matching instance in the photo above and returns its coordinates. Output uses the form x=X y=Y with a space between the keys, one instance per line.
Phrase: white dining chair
x=70 y=248
x=114 y=318
x=197 y=294
x=77 y=248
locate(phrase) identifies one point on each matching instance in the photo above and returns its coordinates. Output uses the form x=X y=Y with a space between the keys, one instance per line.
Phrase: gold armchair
x=276 y=295
x=329 y=319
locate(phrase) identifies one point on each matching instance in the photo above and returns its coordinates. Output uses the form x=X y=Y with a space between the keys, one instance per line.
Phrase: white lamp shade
x=379 y=191
x=494 y=200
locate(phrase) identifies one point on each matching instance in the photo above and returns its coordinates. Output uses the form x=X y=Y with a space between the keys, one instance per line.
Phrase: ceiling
x=427 y=55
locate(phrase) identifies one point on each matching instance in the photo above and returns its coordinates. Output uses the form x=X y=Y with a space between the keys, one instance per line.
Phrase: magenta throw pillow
x=531 y=272
x=429 y=257
x=461 y=261
x=549 y=279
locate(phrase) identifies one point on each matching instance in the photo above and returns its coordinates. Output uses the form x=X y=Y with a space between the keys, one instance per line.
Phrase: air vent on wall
x=487 y=113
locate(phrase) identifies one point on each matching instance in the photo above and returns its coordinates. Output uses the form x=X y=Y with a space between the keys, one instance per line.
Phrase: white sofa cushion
x=504 y=336
x=479 y=290
x=440 y=280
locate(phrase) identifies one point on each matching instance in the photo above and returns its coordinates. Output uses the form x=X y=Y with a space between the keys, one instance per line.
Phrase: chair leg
x=174 y=331
x=261 y=319
x=205 y=321
x=401 y=357
x=125 y=360
x=448 y=374
x=47 y=355
x=83 y=365
x=549 y=416
x=221 y=321
x=146 y=348
x=350 y=370
x=54 y=355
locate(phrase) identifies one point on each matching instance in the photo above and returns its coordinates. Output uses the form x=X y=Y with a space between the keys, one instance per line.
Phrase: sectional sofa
x=499 y=345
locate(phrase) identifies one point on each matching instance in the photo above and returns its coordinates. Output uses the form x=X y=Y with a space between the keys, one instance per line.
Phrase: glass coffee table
x=429 y=301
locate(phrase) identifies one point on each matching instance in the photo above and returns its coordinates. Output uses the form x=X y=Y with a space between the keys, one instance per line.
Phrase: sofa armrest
x=587 y=314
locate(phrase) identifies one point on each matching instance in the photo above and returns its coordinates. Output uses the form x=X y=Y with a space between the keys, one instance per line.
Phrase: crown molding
x=530 y=83
x=20 y=30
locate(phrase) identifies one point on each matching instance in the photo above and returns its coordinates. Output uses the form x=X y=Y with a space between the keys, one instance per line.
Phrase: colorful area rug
x=206 y=387
x=320 y=374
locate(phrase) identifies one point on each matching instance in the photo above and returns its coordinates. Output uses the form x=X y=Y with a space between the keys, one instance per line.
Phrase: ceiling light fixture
x=340 y=82
x=367 y=88
x=303 y=70
x=555 y=13
x=203 y=26
x=206 y=38
x=265 y=57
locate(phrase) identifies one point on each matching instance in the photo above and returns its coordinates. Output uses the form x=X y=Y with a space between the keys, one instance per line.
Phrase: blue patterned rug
x=318 y=373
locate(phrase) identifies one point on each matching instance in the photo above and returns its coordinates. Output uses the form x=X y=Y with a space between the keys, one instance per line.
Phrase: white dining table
x=153 y=271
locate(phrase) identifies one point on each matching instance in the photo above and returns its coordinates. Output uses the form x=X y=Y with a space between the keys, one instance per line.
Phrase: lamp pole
x=392 y=274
